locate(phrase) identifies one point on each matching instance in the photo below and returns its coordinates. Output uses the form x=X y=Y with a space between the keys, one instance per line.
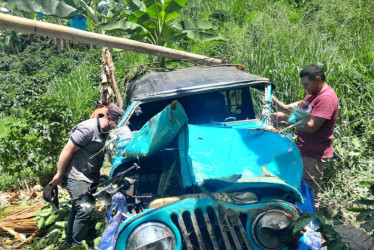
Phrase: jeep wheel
x=355 y=238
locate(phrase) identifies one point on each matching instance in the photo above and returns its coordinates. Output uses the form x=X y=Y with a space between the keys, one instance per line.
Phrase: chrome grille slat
x=232 y=232
x=244 y=235
x=185 y=233
x=223 y=231
x=197 y=232
x=210 y=230
x=212 y=227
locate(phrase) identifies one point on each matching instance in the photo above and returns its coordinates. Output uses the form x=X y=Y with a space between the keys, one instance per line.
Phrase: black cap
x=50 y=194
x=116 y=112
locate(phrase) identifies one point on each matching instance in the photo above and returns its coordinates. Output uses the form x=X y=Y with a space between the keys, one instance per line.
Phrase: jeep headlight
x=151 y=235
x=270 y=229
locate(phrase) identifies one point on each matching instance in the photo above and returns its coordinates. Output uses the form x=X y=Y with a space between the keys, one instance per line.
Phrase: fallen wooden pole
x=53 y=30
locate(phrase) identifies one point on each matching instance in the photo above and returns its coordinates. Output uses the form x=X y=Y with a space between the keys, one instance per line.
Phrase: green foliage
x=365 y=209
x=92 y=12
x=52 y=224
x=38 y=110
x=154 y=22
x=325 y=227
x=47 y=7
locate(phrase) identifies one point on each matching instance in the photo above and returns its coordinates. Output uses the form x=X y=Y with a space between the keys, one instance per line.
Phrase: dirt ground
x=27 y=198
x=11 y=202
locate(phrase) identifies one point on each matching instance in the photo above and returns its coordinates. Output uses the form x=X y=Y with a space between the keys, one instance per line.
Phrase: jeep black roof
x=193 y=80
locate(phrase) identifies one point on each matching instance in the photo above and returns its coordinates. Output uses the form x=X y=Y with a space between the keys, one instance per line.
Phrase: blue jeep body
x=212 y=171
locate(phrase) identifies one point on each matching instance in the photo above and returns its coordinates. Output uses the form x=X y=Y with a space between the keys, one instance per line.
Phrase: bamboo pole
x=53 y=30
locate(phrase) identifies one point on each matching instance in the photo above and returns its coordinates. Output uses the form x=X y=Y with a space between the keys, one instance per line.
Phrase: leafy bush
x=37 y=93
x=364 y=206
x=53 y=225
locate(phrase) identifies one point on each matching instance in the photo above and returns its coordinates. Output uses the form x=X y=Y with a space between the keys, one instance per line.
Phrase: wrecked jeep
x=197 y=164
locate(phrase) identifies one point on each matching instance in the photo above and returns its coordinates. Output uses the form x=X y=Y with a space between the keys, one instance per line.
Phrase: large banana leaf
x=176 y=37
x=193 y=24
x=73 y=3
x=198 y=30
x=134 y=31
x=149 y=12
x=171 y=9
x=204 y=35
x=149 y=21
x=136 y=5
x=122 y=25
x=153 y=9
x=170 y=34
x=142 y=38
x=47 y=7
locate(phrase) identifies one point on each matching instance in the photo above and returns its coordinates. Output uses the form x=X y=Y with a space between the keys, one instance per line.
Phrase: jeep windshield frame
x=160 y=87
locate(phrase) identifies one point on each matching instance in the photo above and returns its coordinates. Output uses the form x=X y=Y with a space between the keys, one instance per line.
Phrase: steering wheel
x=231 y=118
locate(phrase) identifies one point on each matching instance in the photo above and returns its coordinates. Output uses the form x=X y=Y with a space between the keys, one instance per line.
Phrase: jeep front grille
x=212 y=228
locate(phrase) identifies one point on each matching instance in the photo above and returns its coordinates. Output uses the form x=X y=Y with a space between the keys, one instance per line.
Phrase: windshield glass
x=216 y=106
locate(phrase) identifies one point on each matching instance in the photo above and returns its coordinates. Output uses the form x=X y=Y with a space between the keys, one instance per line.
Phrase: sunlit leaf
x=366 y=183
x=121 y=25
x=171 y=16
x=203 y=36
x=47 y=7
x=365 y=215
x=171 y=8
x=193 y=24
x=176 y=38
x=368 y=225
x=334 y=244
x=135 y=5
x=364 y=202
x=302 y=221
x=357 y=209
x=153 y=9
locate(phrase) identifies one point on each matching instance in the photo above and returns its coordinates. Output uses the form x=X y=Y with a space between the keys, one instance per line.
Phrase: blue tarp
x=79 y=22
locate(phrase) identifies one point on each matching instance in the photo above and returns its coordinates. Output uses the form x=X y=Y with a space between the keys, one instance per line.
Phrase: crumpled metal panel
x=200 y=232
x=241 y=156
x=156 y=134
x=227 y=158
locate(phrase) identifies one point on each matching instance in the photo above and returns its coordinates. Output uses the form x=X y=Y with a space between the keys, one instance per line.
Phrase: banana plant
x=47 y=7
x=153 y=21
x=94 y=11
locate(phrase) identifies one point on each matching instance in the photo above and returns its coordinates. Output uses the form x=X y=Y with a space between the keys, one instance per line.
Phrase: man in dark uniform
x=79 y=165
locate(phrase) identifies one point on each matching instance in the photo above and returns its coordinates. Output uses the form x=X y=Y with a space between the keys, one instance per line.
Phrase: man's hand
x=281 y=117
x=57 y=179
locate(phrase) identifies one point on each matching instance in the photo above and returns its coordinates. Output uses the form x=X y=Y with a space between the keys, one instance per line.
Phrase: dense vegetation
x=44 y=93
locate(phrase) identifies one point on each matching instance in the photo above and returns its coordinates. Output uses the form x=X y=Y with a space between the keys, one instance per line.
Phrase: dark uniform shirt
x=87 y=161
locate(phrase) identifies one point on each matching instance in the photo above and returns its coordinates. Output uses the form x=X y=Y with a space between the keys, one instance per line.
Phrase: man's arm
x=63 y=162
x=281 y=117
x=285 y=107
x=313 y=125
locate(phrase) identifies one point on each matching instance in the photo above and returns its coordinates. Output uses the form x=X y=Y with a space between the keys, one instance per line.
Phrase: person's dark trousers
x=79 y=215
